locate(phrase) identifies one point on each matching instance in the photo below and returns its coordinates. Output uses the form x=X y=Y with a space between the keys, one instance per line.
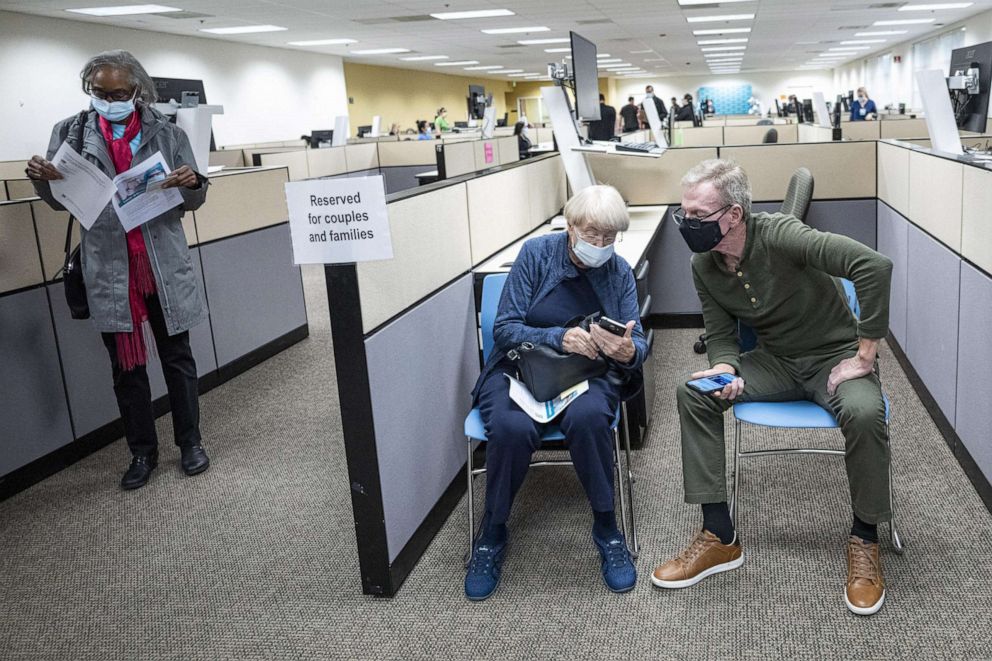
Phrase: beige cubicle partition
x=499 y=209
x=902 y=128
x=814 y=133
x=754 y=135
x=19 y=189
x=20 y=263
x=509 y=150
x=242 y=201
x=326 y=162
x=976 y=230
x=361 y=157
x=939 y=213
x=431 y=245
x=51 y=225
x=419 y=152
x=644 y=179
x=295 y=161
x=841 y=170
x=229 y=158
x=702 y=136
x=865 y=130
x=459 y=158
x=893 y=176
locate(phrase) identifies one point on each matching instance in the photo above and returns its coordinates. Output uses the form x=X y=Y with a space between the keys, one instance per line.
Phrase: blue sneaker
x=619 y=572
x=484 y=571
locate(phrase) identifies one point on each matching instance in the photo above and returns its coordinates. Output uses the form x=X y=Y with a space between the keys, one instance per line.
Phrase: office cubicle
x=56 y=371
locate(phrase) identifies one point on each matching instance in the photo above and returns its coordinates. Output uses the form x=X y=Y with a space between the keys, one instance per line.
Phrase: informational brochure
x=139 y=195
x=84 y=189
x=543 y=411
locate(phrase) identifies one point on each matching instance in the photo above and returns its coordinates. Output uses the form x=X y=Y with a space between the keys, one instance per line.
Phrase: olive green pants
x=857 y=405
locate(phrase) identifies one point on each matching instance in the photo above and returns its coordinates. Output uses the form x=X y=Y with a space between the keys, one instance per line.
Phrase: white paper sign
x=340 y=136
x=84 y=189
x=139 y=196
x=337 y=221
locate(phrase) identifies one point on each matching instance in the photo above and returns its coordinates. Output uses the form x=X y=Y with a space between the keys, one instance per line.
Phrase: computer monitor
x=970 y=65
x=461 y=125
x=364 y=130
x=778 y=109
x=318 y=137
x=502 y=121
x=585 y=76
x=807 y=111
x=476 y=102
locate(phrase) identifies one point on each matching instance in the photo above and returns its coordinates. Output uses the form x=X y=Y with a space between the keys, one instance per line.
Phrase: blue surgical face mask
x=112 y=111
x=590 y=255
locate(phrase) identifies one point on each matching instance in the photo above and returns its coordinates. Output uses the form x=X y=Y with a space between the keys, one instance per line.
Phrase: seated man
x=775 y=274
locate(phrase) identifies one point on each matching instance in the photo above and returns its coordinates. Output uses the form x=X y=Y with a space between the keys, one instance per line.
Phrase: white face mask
x=590 y=255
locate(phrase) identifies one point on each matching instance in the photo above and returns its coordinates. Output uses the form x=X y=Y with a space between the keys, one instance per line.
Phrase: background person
x=863 y=107
x=628 y=116
x=603 y=128
x=441 y=120
x=777 y=275
x=523 y=142
x=686 y=111
x=659 y=105
x=556 y=278
x=124 y=286
x=423 y=130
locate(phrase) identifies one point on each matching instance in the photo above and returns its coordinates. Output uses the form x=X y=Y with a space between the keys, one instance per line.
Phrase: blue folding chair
x=800 y=415
x=475 y=430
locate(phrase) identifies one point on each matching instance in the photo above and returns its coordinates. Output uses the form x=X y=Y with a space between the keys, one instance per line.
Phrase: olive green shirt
x=783 y=289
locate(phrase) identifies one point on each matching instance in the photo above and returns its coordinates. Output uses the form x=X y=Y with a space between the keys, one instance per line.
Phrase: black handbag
x=547 y=372
x=72 y=268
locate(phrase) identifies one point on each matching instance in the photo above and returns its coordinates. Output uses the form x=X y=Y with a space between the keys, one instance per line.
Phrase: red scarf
x=131 y=351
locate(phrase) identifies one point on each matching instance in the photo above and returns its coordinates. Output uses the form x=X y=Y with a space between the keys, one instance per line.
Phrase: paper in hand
x=84 y=189
x=139 y=196
x=543 y=411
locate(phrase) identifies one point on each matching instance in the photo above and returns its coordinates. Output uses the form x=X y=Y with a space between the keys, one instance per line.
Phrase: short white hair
x=600 y=207
x=727 y=177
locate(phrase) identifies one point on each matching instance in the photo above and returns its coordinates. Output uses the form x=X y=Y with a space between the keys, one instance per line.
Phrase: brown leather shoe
x=865 y=591
x=704 y=557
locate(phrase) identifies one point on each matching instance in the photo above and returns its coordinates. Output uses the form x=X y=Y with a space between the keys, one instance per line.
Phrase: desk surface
x=644 y=223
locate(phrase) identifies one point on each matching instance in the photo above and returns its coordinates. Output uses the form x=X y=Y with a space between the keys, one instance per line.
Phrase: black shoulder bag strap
x=79 y=148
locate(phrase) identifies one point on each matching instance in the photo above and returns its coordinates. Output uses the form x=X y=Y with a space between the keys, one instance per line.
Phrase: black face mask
x=703 y=239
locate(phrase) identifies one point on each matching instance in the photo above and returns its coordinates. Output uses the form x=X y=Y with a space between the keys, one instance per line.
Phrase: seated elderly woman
x=556 y=278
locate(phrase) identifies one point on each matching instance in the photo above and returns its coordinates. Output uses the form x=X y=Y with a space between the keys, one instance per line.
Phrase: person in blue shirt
x=863 y=107
x=423 y=130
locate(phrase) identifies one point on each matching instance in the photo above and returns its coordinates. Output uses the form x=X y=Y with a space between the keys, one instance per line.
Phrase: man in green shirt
x=778 y=276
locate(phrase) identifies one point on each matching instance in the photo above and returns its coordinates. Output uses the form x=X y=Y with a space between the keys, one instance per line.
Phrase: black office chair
x=771 y=135
x=798 y=196
x=765 y=122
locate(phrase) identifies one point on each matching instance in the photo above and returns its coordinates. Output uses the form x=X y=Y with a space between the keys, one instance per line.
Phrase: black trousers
x=134 y=394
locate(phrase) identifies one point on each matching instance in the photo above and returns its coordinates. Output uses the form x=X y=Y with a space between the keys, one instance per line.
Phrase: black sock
x=716 y=519
x=604 y=524
x=491 y=533
x=866 y=531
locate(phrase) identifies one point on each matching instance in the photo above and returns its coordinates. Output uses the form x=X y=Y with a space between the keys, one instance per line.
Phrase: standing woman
x=145 y=274
x=863 y=107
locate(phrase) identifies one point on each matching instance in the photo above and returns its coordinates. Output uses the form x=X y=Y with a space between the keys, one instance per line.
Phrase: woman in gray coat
x=144 y=275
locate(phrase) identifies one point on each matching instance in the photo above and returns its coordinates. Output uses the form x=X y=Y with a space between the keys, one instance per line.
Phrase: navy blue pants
x=513 y=436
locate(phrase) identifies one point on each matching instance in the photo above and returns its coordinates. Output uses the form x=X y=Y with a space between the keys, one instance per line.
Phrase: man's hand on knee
x=855 y=367
x=731 y=391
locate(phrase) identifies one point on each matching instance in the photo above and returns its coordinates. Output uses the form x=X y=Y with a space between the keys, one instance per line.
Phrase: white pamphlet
x=139 y=195
x=543 y=411
x=84 y=189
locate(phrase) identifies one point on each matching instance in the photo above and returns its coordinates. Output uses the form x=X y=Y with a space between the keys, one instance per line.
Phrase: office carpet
x=255 y=559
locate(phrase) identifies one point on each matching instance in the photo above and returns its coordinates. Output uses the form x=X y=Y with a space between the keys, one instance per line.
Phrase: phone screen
x=711 y=383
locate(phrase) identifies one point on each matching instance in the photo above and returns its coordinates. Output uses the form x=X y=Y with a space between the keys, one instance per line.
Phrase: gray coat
x=103 y=249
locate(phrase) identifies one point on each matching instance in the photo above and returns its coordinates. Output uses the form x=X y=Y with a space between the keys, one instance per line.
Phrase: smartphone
x=711 y=384
x=611 y=326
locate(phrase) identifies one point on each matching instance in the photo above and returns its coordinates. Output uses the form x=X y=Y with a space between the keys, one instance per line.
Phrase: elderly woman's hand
x=579 y=341
x=619 y=348
x=41 y=170
x=181 y=176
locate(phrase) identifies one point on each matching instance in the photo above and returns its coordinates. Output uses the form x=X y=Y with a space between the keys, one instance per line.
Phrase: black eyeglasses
x=695 y=223
x=116 y=95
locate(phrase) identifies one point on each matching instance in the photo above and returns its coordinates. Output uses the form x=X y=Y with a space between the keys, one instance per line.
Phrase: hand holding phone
x=710 y=384
x=720 y=381
x=612 y=326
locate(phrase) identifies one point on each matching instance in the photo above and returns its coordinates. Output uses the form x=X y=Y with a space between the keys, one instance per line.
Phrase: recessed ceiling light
x=521 y=75
x=422 y=58
x=484 y=67
x=322 y=42
x=455 y=64
x=640 y=52
x=850 y=49
x=865 y=41
x=600 y=56
x=686 y=3
x=880 y=33
x=508 y=71
x=244 y=29
x=721 y=17
x=380 y=51
x=905 y=21
x=707 y=42
x=557 y=50
x=737 y=58
x=715 y=49
x=479 y=13
x=612 y=61
x=537 y=42
x=537 y=28
x=125 y=10
x=935 y=6
x=655 y=59
x=700 y=33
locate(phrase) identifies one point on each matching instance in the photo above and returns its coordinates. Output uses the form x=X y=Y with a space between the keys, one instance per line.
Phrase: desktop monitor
x=364 y=130
x=318 y=137
x=585 y=76
x=971 y=106
x=807 y=111
x=778 y=109
x=476 y=101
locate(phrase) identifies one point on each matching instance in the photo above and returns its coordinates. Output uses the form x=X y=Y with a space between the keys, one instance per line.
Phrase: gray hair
x=121 y=60
x=727 y=177
x=600 y=207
